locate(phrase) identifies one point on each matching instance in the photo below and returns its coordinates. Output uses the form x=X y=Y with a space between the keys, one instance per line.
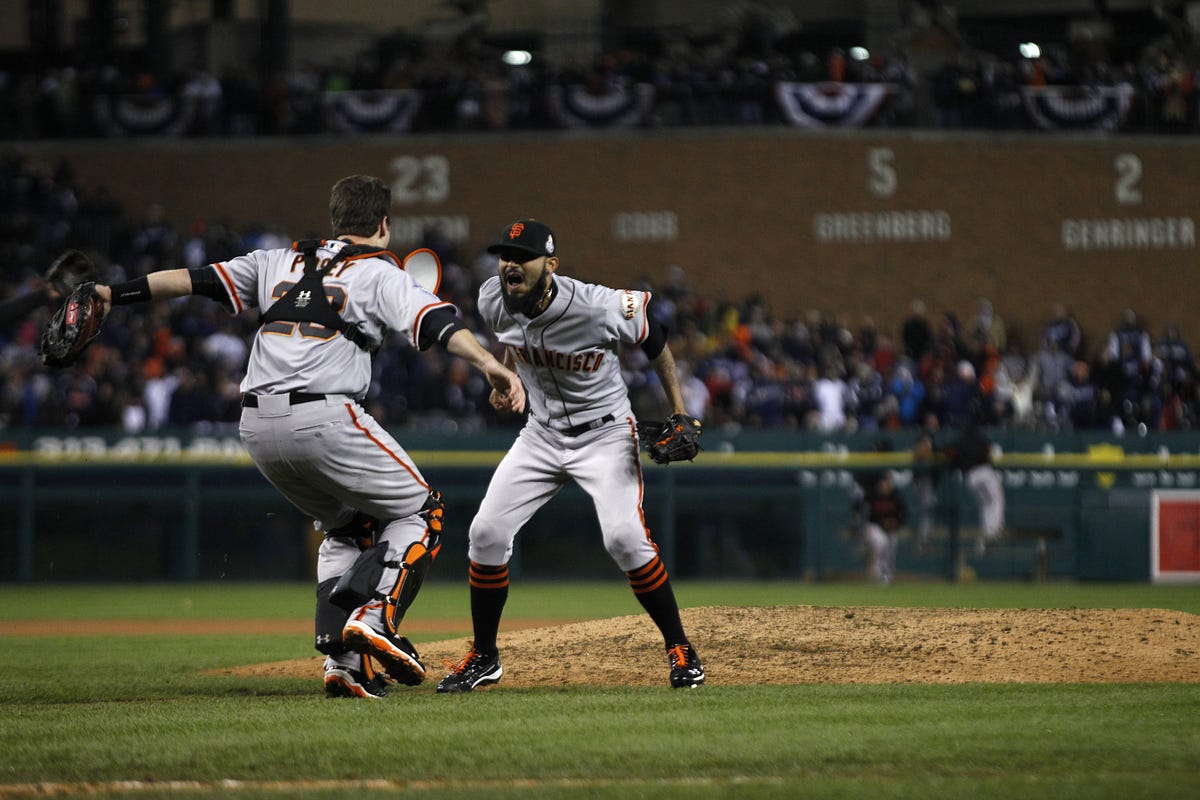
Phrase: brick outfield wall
x=856 y=224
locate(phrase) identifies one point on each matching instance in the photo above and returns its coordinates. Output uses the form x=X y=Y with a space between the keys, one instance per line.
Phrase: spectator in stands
x=1064 y=329
x=909 y=392
x=963 y=400
x=1052 y=368
x=1175 y=357
x=916 y=333
x=867 y=393
x=1134 y=370
x=1130 y=340
x=1016 y=380
x=1080 y=398
x=986 y=329
x=832 y=397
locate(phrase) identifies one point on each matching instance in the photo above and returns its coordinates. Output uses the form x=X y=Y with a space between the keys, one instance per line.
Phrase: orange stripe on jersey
x=637 y=468
x=645 y=318
x=238 y=307
x=421 y=315
x=648 y=578
x=386 y=255
x=384 y=448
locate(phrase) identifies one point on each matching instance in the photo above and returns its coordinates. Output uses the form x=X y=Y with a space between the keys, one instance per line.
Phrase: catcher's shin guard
x=330 y=621
x=433 y=512
x=363 y=581
x=360 y=584
x=416 y=562
x=413 y=568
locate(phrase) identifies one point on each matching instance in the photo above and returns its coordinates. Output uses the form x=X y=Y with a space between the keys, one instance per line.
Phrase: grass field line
x=225 y=627
x=223 y=785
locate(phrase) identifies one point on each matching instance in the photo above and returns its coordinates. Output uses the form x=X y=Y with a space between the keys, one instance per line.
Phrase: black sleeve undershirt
x=205 y=283
x=656 y=338
x=438 y=326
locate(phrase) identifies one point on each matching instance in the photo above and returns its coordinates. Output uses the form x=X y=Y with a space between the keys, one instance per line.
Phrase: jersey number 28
x=309 y=330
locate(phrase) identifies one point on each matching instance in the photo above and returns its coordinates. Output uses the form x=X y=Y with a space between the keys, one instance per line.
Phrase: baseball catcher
x=73 y=326
x=677 y=439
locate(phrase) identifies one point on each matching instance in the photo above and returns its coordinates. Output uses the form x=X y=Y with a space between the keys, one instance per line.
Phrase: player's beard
x=524 y=304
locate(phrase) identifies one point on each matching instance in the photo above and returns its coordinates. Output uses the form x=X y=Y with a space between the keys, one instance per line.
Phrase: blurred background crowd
x=941 y=70
x=743 y=363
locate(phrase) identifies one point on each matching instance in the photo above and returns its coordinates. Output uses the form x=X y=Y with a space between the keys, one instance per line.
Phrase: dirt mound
x=806 y=644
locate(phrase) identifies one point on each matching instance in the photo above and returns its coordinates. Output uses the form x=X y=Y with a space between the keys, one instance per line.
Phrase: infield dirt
x=871 y=645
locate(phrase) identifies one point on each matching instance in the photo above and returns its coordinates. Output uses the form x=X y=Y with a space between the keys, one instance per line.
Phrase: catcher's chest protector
x=307 y=301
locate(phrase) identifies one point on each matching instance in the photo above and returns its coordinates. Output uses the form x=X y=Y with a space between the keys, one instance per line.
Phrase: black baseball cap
x=527 y=236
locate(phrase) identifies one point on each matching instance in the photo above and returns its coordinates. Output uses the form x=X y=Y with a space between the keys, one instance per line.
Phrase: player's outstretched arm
x=162 y=285
x=508 y=394
x=664 y=367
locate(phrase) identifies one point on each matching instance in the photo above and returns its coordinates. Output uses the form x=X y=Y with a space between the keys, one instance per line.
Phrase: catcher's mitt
x=73 y=327
x=677 y=439
x=71 y=268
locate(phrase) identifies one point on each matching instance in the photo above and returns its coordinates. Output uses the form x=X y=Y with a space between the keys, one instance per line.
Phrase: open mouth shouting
x=525 y=282
x=514 y=279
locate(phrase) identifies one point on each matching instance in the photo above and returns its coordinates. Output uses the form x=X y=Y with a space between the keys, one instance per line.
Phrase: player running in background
x=563 y=336
x=326 y=305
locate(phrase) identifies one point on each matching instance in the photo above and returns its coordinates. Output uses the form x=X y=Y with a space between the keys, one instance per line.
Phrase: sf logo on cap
x=516 y=230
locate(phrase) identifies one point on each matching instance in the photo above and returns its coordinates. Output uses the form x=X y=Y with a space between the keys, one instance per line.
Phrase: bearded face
x=523 y=281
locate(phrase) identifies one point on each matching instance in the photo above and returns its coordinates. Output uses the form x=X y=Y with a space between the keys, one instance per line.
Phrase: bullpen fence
x=192 y=507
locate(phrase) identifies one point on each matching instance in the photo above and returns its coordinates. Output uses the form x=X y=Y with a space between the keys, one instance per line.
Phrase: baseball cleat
x=686 y=671
x=396 y=653
x=476 y=669
x=343 y=682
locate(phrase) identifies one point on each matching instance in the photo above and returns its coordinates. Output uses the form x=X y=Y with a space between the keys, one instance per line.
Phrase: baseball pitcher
x=563 y=335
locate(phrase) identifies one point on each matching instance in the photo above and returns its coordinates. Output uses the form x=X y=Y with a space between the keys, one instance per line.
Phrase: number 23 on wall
x=420 y=179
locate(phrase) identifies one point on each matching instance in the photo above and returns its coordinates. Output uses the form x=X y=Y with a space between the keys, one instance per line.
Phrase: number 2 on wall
x=1127 y=187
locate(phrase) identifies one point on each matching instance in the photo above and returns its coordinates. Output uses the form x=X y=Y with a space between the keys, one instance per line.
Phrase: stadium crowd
x=178 y=364
x=721 y=78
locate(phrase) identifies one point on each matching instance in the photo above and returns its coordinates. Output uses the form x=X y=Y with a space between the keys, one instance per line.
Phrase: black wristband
x=134 y=291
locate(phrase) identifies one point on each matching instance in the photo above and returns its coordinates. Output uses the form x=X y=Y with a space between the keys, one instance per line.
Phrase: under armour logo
x=303 y=299
x=324 y=638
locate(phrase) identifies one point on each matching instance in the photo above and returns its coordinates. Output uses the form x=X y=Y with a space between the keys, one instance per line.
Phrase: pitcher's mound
x=807 y=644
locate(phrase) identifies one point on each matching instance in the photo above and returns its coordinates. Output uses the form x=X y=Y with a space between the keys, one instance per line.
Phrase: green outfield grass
x=84 y=714
x=569 y=599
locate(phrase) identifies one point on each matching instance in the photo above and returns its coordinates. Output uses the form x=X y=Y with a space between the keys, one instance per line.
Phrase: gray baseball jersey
x=567 y=355
x=567 y=359
x=328 y=456
x=287 y=356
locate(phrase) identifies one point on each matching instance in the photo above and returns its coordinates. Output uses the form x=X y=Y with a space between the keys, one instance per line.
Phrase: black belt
x=587 y=426
x=294 y=398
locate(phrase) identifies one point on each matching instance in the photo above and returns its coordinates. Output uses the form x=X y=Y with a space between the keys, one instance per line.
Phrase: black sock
x=489 y=593
x=652 y=587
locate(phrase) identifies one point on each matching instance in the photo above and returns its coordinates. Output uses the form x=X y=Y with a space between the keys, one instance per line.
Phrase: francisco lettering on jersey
x=583 y=361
